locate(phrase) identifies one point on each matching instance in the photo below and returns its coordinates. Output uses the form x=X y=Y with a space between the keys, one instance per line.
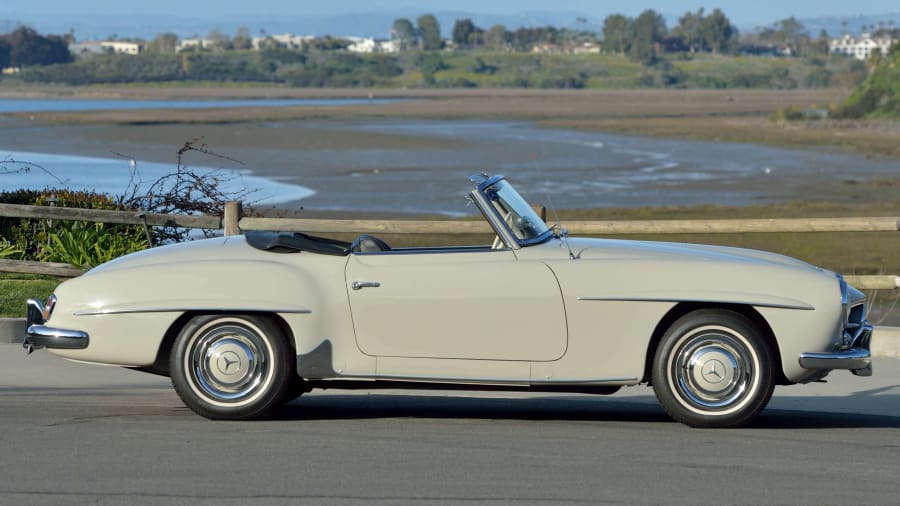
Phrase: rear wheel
x=713 y=368
x=231 y=366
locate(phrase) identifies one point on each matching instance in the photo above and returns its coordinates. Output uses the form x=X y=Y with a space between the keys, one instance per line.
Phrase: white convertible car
x=243 y=324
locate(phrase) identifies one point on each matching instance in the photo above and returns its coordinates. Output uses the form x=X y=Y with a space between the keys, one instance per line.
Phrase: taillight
x=48 y=307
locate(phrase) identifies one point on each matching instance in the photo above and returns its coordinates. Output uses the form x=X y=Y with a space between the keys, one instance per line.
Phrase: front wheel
x=231 y=366
x=713 y=368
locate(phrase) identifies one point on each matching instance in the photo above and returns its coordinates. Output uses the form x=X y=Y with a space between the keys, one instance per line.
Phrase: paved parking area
x=74 y=433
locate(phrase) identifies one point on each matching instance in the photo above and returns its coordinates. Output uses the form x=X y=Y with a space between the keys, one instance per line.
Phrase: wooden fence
x=233 y=222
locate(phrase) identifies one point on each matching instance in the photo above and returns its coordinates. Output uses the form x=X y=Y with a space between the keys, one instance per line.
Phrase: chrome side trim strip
x=185 y=309
x=802 y=307
x=484 y=381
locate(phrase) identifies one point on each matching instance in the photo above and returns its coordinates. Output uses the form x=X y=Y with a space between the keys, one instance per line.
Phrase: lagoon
x=8 y=105
x=114 y=176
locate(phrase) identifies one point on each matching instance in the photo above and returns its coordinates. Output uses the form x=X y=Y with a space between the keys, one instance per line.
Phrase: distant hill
x=365 y=24
x=835 y=25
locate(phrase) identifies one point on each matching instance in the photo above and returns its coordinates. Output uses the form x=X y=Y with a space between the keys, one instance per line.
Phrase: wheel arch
x=684 y=308
x=161 y=363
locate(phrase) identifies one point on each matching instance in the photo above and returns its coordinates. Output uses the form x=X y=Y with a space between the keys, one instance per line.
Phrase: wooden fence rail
x=233 y=222
x=606 y=227
x=105 y=216
x=877 y=224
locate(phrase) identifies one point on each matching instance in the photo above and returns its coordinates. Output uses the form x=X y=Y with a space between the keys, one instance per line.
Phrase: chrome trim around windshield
x=495 y=221
x=184 y=310
x=501 y=228
x=483 y=180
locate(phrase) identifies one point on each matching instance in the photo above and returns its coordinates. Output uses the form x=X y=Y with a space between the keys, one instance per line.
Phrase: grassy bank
x=459 y=69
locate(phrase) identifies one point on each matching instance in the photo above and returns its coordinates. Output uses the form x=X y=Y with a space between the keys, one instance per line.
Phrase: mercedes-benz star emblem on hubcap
x=228 y=363
x=713 y=371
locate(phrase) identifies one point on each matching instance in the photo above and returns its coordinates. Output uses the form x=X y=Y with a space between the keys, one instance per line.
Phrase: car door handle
x=359 y=285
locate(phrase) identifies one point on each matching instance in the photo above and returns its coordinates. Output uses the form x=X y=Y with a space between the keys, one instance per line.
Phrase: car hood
x=612 y=249
x=661 y=271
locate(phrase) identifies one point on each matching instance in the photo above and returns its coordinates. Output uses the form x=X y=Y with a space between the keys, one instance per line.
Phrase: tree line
x=24 y=47
x=646 y=37
x=643 y=38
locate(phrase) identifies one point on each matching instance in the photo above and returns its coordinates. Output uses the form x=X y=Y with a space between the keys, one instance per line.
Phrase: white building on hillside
x=285 y=40
x=194 y=43
x=368 y=45
x=861 y=48
x=105 y=47
x=118 y=47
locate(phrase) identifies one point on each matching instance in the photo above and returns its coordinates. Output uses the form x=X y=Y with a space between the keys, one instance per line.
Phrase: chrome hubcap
x=228 y=362
x=713 y=369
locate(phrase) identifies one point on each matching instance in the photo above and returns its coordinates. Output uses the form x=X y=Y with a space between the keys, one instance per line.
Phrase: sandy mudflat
x=720 y=115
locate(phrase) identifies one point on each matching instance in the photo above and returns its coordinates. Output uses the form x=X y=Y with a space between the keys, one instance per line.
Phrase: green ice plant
x=10 y=250
x=89 y=244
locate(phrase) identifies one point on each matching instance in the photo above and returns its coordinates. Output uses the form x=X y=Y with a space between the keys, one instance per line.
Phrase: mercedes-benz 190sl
x=243 y=324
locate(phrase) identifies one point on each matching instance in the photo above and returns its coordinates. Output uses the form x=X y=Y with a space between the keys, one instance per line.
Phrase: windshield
x=522 y=220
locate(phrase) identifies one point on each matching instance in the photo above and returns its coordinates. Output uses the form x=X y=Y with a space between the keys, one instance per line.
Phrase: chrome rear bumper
x=38 y=335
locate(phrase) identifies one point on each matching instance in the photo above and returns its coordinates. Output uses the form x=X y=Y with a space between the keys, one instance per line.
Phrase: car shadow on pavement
x=795 y=419
x=342 y=407
x=815 y=414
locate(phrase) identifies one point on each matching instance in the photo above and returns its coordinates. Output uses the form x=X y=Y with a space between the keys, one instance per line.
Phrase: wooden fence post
x=233 y=214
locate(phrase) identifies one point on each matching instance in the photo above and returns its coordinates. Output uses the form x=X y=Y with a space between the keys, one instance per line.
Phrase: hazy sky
x=741 y=12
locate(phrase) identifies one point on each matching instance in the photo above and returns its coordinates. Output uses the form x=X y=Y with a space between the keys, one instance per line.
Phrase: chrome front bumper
x=38 y=335
x=854 y=357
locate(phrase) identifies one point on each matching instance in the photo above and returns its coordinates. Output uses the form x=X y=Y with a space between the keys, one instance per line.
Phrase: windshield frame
x=518 y=205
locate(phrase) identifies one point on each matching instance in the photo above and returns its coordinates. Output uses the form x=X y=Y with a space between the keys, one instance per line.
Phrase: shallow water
x=116 y=176
x=67 y=104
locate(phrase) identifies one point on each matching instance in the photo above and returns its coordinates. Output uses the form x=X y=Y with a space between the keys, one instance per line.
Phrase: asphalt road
x=78 y=434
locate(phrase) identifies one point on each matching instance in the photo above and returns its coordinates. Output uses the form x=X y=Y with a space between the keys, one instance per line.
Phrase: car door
x=455 y=304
